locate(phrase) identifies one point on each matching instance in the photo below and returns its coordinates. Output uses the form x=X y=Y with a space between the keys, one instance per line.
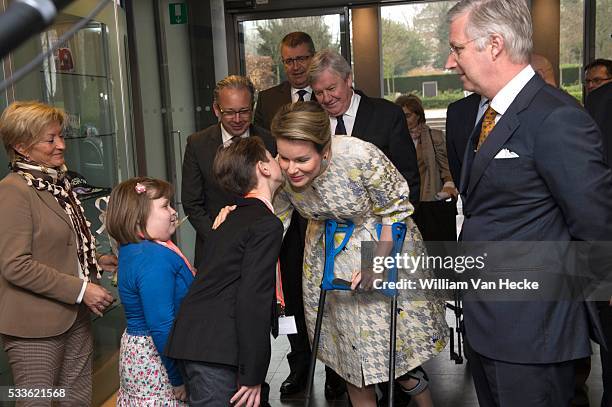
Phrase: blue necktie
x=301 y=93
x=340 y=129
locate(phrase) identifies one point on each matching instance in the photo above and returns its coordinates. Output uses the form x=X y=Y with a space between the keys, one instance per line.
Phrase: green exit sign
x=178 y=13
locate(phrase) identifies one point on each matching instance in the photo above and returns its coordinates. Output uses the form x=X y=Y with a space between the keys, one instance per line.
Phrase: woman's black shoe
x=292 y=384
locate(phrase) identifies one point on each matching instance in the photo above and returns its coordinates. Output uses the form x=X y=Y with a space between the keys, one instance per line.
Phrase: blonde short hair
x=129 y=207
x=24 y=122
x=302 y=121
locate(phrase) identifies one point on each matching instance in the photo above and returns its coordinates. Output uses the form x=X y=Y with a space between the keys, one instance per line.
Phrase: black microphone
x=24 y=18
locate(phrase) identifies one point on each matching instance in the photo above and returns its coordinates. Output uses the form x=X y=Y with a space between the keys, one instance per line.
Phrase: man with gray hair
x=352 y=113
x=520 y=182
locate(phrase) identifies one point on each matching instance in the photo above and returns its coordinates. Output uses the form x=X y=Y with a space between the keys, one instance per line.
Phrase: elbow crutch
x=328 y=282
x=398 y=232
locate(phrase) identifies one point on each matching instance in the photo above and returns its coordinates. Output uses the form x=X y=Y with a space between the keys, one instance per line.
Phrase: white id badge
x=286 y=325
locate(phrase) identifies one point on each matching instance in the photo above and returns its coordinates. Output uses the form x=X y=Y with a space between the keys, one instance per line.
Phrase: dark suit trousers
x=209 y=384
x=504 y=384
x=605 y=314
x=291 y=261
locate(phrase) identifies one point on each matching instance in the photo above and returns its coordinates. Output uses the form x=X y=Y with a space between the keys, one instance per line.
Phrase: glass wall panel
x=603 y=29
x=415 y=49
x=571 y=49
x=78 y=78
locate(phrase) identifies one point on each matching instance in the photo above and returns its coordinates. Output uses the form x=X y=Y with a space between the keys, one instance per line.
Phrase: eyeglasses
x=596 y=81
x=229 y=113
x=456 y=49
x=300 y=60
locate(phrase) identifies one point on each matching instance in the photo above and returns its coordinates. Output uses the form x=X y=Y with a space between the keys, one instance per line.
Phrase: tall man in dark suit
x=201 y=195
x=296 y=50
x=520 y=182
x=375 y=120
x=599 y=105
x=461 y=117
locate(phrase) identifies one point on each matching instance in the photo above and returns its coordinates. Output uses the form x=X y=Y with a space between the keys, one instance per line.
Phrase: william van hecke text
x=448 y=284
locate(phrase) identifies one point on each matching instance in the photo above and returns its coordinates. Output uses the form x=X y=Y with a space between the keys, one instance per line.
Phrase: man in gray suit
x=520 y=182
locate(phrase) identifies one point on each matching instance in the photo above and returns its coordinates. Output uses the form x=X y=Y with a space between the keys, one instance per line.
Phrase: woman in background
x=153 y=278
x=435 y=215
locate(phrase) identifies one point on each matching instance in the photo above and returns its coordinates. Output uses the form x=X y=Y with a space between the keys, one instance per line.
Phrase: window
x=260 y=53
x=571 y=46
x=603 y=29
x=415 y=49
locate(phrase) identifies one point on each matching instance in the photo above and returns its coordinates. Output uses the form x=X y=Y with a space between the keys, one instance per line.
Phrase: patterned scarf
x=55 y=182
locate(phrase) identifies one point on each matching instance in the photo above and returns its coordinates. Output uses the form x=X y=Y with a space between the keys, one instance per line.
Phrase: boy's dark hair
x=234 y=166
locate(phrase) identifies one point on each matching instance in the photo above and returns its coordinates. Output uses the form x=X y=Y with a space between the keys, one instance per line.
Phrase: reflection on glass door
x=603 y=29
x=571 y=49
x=415 y=49
x=76 y=78
x=260 y=40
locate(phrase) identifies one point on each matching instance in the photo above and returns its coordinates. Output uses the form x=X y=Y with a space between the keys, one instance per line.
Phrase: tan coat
x=433 y=162
x=39 y=280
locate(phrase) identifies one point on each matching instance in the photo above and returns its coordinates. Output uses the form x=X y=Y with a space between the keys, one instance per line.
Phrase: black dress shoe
x=335 y=386
x=334 y=391
x=293 y=383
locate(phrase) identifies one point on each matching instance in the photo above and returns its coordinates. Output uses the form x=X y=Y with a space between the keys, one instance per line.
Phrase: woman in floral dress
x=345 y=178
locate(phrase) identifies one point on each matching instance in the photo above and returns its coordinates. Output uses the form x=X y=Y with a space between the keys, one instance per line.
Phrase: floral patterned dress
x=360 y=184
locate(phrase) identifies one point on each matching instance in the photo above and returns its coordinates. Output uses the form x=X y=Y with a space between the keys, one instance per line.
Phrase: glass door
x=260 y=36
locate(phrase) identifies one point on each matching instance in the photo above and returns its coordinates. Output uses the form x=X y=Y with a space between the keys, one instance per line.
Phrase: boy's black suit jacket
x=227 y=315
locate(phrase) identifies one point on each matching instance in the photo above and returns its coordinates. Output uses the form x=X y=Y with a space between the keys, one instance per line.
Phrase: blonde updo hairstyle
x=306 y=121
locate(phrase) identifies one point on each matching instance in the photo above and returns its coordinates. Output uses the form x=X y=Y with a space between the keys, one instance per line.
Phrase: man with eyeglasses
x=532 y=171
x=597 y=73
x=201 y=195
x=296 y=49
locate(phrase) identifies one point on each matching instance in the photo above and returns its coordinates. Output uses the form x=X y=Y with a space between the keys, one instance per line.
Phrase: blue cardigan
x=152 y=283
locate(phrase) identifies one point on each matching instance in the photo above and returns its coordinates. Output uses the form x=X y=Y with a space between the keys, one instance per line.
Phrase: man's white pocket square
x=505 y=153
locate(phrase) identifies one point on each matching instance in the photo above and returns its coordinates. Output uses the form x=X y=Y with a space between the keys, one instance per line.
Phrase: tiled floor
x=451 y=384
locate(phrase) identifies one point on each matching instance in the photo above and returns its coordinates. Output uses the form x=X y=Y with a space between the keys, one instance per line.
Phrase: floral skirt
x=143 y=380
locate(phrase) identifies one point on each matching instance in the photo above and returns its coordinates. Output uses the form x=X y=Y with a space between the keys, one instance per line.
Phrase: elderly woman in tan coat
x=47 y=258
x=435 y=217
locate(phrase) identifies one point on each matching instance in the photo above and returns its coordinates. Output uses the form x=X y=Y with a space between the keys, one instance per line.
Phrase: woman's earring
x=324 y=162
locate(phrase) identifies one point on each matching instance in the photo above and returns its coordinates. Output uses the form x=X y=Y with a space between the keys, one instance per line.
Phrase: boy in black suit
x=222 y=331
